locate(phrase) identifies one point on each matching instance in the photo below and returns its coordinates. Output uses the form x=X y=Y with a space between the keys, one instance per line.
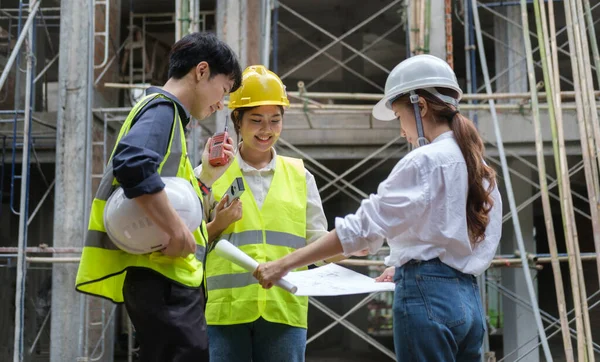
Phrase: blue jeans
x=437 y=314
x=259 y=341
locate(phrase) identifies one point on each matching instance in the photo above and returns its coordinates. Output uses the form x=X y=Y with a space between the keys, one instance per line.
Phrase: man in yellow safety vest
x=163 y=291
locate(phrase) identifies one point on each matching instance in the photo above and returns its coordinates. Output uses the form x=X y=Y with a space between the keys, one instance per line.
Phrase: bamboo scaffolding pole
x=539 y=145
x=593 y=40
x=586 y=84
x=552 y=82
x=594 y=126
x=583 y=115
x=508 y=185
x=591 y=121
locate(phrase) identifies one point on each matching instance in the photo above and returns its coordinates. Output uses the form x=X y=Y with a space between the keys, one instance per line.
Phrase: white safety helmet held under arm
x=132 y=231
x=422 y=71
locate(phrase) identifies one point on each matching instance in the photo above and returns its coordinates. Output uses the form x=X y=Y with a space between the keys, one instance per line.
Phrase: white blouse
x=421 y=210
x=259 y=182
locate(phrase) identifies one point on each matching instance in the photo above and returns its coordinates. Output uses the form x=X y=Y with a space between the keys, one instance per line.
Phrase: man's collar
x=183 y=112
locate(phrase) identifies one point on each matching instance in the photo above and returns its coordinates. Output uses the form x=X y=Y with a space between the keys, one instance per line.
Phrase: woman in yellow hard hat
x=280 y=211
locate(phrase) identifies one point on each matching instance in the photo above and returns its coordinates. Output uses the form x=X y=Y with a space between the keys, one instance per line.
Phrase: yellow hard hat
x=260 y=87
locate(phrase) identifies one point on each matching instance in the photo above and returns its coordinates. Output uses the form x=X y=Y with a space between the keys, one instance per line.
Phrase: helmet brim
x=258 y=104
x=382 y=112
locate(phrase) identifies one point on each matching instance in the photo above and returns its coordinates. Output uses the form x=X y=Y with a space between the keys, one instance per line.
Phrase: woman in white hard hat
x=440 y=212
x=282 y=212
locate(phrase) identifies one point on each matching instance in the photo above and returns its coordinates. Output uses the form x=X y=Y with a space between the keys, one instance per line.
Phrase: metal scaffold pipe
x=23 y=214
x=13 y=55
x=508 y=184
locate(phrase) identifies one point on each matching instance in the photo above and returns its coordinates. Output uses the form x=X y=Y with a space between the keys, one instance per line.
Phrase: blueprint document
x=332 y=280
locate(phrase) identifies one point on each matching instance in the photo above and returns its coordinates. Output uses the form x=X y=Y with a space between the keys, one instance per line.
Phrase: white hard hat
x=422 y=71
x=132 y=231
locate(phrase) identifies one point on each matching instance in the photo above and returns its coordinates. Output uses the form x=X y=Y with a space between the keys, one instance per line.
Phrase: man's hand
x=227 y=215
x=387 y=275
x=182 y=244
x=269 y=273
x=210 y=173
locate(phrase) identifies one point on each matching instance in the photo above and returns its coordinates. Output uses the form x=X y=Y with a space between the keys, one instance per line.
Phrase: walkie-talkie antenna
x=226 y=119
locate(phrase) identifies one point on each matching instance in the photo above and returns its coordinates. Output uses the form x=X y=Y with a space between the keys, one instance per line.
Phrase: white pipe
x=15 y=51
x=22 y=238
x=39 y=76
x=265 y=32
x=105 y=33
x=509 y=189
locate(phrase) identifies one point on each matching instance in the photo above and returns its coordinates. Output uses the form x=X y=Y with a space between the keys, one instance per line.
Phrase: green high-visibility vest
x=103 y=265
x=265 y=234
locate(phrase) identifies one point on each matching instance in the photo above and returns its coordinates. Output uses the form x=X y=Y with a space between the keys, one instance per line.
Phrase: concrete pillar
x=515 y=79
x=519 y=323
x=437 y=31
x=70 y=222
x=239 y=26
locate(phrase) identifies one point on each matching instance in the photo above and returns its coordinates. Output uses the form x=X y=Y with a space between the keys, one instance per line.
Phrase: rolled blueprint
x=228 y=251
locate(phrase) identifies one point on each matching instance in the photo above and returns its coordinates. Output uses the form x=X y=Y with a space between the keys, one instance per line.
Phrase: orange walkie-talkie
x=217 y=156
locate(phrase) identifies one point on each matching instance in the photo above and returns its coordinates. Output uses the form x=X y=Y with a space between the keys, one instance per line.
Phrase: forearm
x=158 y=208
x=322 y=249
x=214 y=230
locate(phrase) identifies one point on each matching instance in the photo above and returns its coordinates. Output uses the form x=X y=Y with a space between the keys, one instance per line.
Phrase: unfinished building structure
x=72 y=69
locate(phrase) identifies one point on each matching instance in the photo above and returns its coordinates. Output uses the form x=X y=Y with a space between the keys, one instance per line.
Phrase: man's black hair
x=200 y=46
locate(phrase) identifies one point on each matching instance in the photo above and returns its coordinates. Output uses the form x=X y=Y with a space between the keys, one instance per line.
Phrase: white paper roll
x=228 y=251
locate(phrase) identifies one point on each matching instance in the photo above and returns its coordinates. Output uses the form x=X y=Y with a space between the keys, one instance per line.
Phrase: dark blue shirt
x=142 y=149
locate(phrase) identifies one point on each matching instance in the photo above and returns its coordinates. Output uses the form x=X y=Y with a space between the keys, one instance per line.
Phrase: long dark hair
x=479 y=200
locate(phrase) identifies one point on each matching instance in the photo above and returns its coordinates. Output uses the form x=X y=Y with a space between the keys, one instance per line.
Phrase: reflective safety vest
x=279 y=228
x=103 y=265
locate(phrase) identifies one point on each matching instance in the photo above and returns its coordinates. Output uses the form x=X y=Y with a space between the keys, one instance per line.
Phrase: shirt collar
x=183 y=112
x=443 y=136
x=247 y=168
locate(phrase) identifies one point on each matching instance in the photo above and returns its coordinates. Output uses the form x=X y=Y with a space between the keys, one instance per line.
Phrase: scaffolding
x=309 y=106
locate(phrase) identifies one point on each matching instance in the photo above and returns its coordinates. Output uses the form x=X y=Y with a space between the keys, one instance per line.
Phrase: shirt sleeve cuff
x=150 y=185
x=351 y=242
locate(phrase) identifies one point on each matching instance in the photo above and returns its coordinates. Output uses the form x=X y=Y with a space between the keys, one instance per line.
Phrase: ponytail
x=479 y=199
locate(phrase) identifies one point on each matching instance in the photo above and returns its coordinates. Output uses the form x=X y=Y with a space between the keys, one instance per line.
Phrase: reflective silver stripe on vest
x=170 y=168
x=285 y=239
x=200 y=252
x=99 y=239
x=171 y=165
x=106 y=187
x=273 y=238
x=228 y=281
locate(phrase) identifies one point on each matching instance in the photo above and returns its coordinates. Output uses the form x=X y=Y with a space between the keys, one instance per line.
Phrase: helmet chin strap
x=414 y=99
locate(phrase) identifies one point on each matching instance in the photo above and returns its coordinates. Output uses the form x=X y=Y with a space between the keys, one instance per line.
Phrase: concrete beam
x=361 y=151
x=355 y=135
x=358 y=128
